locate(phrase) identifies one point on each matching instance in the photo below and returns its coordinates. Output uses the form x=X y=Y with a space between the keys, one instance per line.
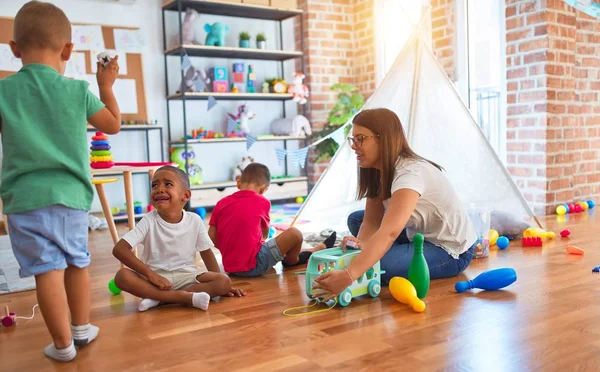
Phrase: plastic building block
x=534 y=241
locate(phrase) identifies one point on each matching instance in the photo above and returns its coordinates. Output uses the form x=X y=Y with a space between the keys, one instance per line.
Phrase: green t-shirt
x=44 y=140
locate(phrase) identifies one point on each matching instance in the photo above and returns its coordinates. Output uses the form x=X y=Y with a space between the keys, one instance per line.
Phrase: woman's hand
x=331 y=284
x=350 y=241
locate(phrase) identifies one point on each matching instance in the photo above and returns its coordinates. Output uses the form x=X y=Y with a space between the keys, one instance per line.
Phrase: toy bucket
x=481 y=219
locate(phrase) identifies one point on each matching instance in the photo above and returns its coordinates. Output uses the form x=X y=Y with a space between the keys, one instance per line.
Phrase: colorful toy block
x=534 y=241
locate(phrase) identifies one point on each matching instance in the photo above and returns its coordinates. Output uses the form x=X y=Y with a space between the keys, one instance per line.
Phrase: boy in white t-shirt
x=171 y=237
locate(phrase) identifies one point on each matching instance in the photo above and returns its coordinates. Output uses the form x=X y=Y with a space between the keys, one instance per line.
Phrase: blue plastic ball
x=591 y=204
x=502 y=242
x=201 y=211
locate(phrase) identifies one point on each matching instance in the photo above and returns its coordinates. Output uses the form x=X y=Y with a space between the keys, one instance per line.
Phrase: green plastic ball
x=112 y=287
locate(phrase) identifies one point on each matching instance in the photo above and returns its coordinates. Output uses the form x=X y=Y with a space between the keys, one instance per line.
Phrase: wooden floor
x=549 y=319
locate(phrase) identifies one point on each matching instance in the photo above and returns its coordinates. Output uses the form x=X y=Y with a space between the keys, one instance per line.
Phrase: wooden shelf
x=238 y=139
x=130 y=127
x=233 y=53
x=233 y=96
x=234 y=9
x=222 y=185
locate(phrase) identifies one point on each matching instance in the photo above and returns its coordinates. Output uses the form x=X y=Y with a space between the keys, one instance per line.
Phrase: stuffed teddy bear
x=237 y=171
x=299 y=90
x=189 y=80
x=297 y=126
x=188 y=31
x=216 y=34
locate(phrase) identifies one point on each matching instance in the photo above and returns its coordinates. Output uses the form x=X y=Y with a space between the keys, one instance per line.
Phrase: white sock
x=84 y=334
x=147 y=303
x=62 y=355
x=201 y=300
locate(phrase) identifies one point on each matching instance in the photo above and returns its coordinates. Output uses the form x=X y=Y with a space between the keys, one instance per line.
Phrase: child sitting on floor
x=239 y=226
x=171 y=237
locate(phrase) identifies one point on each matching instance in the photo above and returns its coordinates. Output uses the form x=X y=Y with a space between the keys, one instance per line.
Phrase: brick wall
x=340 y=48
x=443 y=34
x=553 y=125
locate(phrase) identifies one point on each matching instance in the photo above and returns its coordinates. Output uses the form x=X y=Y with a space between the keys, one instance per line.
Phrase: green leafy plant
x=261 y=37
x=349 y=102
x=244 y=35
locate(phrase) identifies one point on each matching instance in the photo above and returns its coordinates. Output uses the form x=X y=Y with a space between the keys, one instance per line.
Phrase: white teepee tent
x=439 y=127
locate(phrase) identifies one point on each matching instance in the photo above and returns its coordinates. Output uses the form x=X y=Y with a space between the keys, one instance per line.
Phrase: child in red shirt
x=239 y=226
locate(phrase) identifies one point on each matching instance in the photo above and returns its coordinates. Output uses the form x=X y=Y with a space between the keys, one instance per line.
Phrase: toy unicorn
x=242 y=117
x=299 y=90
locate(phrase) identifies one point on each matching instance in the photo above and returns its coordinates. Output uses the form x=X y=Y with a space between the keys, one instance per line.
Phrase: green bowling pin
x=418 y=271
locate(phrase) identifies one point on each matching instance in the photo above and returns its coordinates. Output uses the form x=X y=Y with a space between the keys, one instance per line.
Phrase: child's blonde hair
x=40 y=25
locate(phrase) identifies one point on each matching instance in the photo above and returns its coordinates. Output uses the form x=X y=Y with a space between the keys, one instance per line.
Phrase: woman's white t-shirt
x=439 y=215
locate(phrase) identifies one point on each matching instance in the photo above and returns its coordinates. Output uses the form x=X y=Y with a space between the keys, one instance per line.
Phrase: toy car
x=336 y=259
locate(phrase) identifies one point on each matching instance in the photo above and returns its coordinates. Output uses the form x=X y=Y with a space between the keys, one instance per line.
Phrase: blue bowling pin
x=490 y=280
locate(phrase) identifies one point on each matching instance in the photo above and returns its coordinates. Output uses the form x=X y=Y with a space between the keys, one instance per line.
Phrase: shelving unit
x=208 y=194
x=142 y=128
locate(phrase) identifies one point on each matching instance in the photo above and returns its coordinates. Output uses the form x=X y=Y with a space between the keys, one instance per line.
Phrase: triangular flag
x=281 y=153
x=338 y=136
x=299 y=157
x=250 y=140
x=231 y=125
x=211 y=102
x=186 y=63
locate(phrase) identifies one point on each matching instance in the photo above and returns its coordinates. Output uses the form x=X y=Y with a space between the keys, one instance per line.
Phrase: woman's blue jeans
x=396 y=260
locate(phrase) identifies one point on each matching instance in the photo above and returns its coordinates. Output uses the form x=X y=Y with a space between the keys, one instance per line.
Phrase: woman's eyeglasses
x=358 y=140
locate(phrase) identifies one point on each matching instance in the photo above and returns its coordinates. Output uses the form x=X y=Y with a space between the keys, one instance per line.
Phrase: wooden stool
x=99 y=183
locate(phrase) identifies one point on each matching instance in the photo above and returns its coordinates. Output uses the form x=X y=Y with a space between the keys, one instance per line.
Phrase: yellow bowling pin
x=537 y=232
x=405 y=292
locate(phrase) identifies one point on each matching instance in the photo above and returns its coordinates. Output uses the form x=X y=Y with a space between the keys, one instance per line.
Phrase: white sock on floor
x=62 y=355
x=201 y=300
x=147 y=303
x=84 y=334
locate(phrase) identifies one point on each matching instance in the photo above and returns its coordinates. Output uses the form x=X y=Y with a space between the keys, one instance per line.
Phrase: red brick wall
x=340 y=48
x=553 y=132
x=443 y=32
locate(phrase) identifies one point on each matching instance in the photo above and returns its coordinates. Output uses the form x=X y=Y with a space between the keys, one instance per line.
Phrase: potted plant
x=349 y=102
x=244 y=40
x=261 y=41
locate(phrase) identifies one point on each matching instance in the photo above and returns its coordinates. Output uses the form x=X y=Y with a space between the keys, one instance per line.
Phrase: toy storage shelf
x=232 y=96
x=239 y=139
x=234 y=9
x=233 y=53
x=222 y=185
x=133 y=127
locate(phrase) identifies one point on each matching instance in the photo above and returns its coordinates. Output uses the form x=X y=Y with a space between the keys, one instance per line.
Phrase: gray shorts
x=268 y=255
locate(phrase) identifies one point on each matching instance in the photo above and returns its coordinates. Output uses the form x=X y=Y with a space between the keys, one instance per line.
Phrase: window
x=394 y=23
x=481 y=66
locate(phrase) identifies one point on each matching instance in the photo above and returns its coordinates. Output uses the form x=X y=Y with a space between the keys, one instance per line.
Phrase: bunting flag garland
x=250 y=140
x=231 y=125
x=281 y=153
x=186 y=63
x=299 y=157
x=212 y=102
x=338 y=136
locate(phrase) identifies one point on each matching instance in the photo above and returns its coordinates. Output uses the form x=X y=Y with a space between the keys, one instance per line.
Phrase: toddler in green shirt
x=46 y=180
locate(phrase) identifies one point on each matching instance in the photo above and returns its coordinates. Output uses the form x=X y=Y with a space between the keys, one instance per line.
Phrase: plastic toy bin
x=481 y=218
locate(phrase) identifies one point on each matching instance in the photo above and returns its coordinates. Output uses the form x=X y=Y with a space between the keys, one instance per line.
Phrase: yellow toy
x=537 y=232
x=405 y=292
x=493 y=236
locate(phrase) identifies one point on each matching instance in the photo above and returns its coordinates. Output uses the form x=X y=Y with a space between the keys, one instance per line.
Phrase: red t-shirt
x=239 y=219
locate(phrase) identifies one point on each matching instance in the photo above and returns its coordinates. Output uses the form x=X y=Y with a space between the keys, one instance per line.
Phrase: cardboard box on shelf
x=284 y=4
x=256 y=2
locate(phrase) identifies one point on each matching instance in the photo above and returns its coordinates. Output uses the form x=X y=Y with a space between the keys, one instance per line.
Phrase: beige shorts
x=180 y=278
